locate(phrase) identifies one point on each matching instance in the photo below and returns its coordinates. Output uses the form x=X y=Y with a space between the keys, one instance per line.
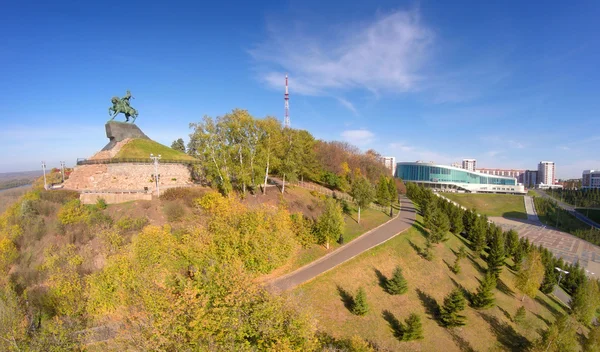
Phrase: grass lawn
x=142 y=148
x=429 y=282
x=504 y=205
x=592 y=214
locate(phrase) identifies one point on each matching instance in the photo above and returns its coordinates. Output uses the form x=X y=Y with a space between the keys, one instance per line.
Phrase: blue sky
x=509 y=84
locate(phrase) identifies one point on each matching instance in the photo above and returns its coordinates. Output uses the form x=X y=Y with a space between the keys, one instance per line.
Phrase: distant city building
x=572 y=184
x=590 y=179
x=469 y=164
x=530 y=178
x=390 y=163
x=456 y=164
x=546 y=172
x=518 y=174
x=452 y=179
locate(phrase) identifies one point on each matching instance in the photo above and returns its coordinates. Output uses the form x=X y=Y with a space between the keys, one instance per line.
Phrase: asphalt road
x=570 y=209
x=373 y=238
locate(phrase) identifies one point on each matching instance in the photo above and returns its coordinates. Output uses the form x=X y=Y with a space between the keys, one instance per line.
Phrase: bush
x=303 y=228
x=101 y=204
x=59 y=196
x=128 y=224
x=520 y=315
x=73 y=212
x=186 y=194
x=174 y=210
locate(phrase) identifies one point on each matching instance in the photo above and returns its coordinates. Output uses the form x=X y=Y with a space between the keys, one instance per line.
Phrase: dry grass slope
x=429 y=282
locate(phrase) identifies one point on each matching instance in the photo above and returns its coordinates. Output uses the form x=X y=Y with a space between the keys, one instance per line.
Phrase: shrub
x=303 y=229
x=8 y=253
x=73 y=212
x=100 y=219
x=360 y=307
x=128 y=224
x=174 y=211
x=101 y=204
x=520 y=315
x=186 y=194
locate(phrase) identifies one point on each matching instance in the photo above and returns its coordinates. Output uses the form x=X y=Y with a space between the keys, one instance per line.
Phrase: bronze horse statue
x=121 y=105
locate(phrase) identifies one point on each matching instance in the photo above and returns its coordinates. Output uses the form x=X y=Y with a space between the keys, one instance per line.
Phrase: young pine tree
x=413 y=329
x=484 y=298
x=360 y=306
x=397 y=285
x=438 y=225
x=520 y=315
x=428 y=251
x=462 y=253
x=495 y=259
x=453 y=304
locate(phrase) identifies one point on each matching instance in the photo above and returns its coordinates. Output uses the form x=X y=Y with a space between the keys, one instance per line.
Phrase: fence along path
x=338 y=195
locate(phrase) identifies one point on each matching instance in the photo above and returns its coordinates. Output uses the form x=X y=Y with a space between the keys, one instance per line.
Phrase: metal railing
x=134 y=160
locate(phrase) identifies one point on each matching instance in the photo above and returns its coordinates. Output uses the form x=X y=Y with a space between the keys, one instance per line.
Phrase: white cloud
x=493 y=153
x=358 y=137
x=405 y=152
x=348 y=105
x=385 y=54
x=515 y=144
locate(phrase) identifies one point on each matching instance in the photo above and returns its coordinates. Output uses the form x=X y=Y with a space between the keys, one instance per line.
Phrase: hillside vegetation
x=503 y=205
x=142 y=148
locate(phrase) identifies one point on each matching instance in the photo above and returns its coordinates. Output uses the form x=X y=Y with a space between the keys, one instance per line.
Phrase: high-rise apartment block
x=590 y=179
x=390 y=163
x=546 y=172
x=469 y=164
x=530 y=178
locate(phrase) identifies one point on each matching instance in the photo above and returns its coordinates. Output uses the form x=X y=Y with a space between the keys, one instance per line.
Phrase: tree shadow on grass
x=419 y=226
x=464 y=241
x=448 y=265
x=506 y=313
x=476 y=264
x=546 y=321
x=431 y=306
x=468 y=294
x=502 y=287
x=547 y=306
x=417 y=249
x=462 y=344
x=506 y=334
x=381 y=279
x=346 y=298
x=395 y=324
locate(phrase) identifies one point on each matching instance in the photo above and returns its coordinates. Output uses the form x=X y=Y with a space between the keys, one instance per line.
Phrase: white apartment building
x=590 y=179
x=390 y=163
x=469 y=164
x=546 y=172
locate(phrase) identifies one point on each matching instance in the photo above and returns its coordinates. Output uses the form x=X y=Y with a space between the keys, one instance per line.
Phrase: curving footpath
x=371 y=239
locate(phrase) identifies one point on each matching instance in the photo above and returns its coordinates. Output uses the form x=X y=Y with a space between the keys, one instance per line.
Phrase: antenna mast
x=287 y=103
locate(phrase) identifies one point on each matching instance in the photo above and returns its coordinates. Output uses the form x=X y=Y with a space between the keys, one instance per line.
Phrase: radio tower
x=287 y=104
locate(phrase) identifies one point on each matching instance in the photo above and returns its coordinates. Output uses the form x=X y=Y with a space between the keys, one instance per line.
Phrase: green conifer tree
x=360 y=307
x=413 y=329
x=495 y=259
x=520 y=315
x=453 y=304
x=397 y=285
x=438 y=225
x=484 y=298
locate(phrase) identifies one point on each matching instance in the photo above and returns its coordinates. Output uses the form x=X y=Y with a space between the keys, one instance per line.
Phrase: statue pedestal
x=118 y=131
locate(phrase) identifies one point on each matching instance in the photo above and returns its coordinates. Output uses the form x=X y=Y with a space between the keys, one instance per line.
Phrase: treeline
x=239 y=152
x=15 y=183
x=534 y=267
x=553 y=215
x=583 y=198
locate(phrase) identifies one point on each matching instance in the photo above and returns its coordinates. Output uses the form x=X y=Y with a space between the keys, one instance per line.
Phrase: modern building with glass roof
x=453 y=179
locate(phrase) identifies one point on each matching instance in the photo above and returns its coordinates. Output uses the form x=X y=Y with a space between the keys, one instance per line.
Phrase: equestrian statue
x=122 y=105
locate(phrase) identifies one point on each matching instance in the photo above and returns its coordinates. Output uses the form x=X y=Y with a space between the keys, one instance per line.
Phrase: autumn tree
x=592 y=344
x=586 y=301
x=331 y=223
x=363 y=193
x=530 y=275
x=561 y=336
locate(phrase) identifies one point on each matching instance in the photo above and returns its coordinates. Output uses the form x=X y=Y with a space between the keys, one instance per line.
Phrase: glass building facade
x=422 y=172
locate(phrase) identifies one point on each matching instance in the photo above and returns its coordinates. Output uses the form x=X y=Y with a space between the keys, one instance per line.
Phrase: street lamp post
x=561 y=272
x=44 y=168
x=156 y=158
x=62 y=170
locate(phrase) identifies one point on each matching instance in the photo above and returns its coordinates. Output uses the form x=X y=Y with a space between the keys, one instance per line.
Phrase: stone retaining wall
x=127 y=177
x=113 y=198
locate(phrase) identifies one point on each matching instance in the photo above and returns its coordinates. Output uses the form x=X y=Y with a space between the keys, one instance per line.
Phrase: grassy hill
x=142 y=148
x=429 y=282
x=504 y=205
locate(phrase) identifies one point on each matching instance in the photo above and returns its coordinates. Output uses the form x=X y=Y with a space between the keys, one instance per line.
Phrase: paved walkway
x=530 y=209
x=563 y=245
x=373 y=238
